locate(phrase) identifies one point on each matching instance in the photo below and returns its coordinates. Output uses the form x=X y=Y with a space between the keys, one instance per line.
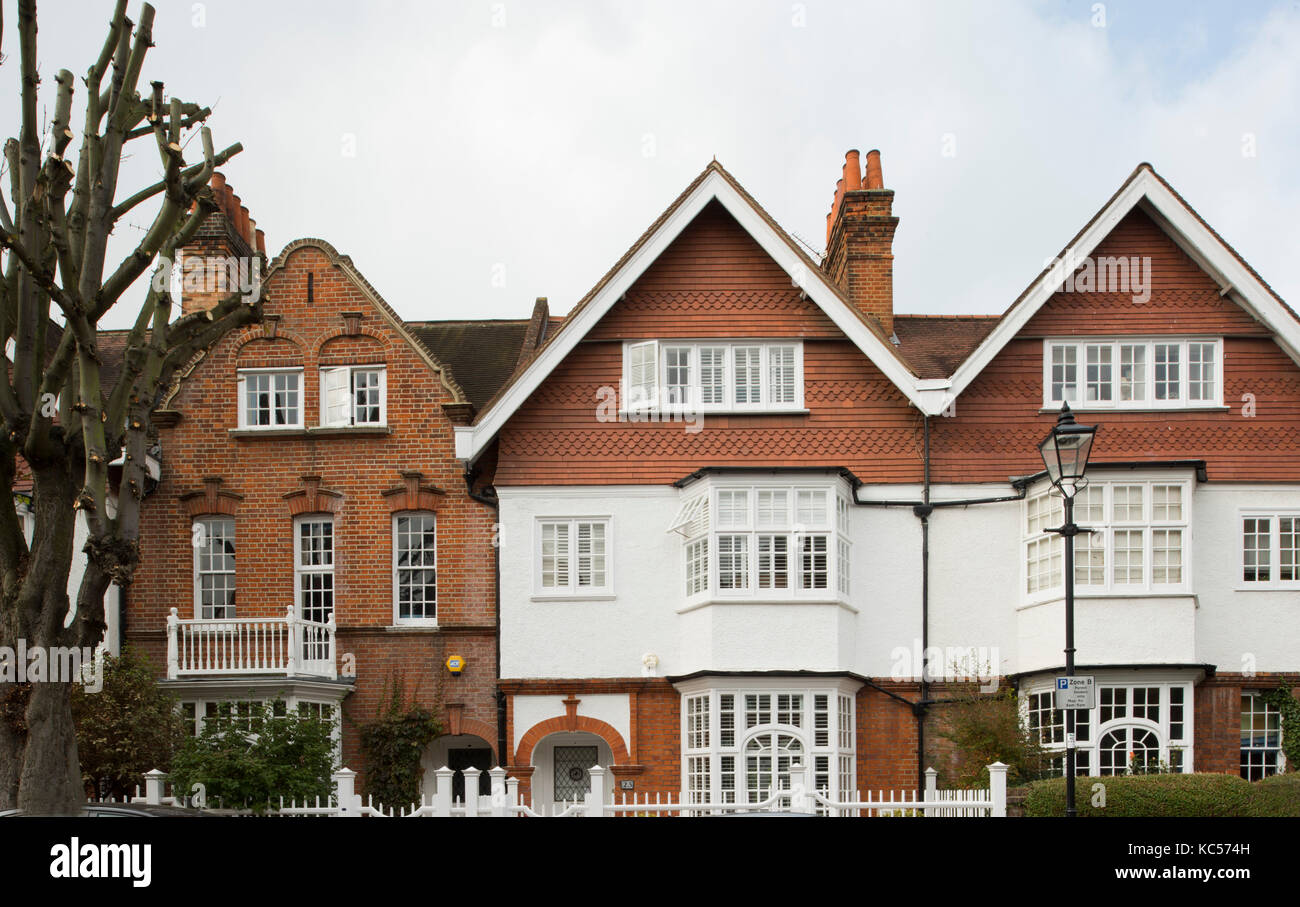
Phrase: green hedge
x=1171 y=795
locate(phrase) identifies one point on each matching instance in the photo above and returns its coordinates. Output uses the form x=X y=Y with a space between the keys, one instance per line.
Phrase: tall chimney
x=228 y=236
x=860 y=240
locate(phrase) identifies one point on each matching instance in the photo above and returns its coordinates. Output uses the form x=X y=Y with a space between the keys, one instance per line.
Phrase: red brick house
x=313 y=537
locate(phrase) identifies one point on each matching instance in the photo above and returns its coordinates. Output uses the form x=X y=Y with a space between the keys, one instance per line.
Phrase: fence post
x=442 y=792
x=153 y=786
x=498 y=789
x=512 y=795
x=471 y=790
x=173 y=649
x=931 y=789
x=291 y=621
x=998 y=789
x=595 y=800
x=330 y=629
x=345 y=788
x=803 y=800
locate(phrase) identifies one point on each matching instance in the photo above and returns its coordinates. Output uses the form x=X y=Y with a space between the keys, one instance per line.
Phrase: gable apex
x=714 y=183
x=1147 y=191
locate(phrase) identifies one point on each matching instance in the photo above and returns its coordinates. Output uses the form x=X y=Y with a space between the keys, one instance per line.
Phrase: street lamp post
x=1065 y=453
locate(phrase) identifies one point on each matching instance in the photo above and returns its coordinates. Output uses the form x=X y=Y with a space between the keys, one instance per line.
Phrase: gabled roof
x=714 y=183
x=1147 y=190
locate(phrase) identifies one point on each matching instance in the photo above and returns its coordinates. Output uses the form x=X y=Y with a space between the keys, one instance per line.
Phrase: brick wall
x=264 y=479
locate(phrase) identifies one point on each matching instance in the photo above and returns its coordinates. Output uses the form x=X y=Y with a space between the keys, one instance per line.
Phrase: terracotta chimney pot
x=875 y=178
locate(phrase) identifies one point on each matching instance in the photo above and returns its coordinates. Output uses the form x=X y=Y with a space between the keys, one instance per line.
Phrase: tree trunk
x=50 y=784
x=13 y=741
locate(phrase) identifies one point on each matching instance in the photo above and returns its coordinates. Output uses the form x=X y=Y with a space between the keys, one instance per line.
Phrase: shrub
x=984 y=729
x=126 y=729
x=256 y=756
x=1211 y=795
x=393 y=744
x=1277 y=796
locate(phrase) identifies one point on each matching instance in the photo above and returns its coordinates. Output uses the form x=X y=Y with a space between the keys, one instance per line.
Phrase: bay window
x=1133 y=373
x=713 y=375
x=1136 y=728
x=765 y=542
x=746 y=744
x=1137 y=540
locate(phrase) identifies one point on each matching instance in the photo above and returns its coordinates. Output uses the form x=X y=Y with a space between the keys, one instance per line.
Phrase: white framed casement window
x=1138 y=541
x=313 y=567
x=415 y=569
x=717 y=376
x=1270 y=550
x=1133 y=373
x=213 y=541
x=270 y=398
x=1141 y=727
x=765 y=542
x=572 y=558
x=740 y=744
x=354 y=395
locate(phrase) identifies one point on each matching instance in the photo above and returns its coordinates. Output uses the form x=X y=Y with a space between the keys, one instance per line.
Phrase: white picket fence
x=504 y=800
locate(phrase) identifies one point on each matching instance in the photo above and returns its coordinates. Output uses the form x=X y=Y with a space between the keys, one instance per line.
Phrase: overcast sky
x=471 y=156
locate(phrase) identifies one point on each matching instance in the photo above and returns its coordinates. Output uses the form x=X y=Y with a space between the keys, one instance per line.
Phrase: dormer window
x=270 y=398
x=354 y=395
x=717 y=376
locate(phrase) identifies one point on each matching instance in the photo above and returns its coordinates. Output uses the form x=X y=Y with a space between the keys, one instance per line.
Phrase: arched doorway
x=563 y=762
x=457 y=752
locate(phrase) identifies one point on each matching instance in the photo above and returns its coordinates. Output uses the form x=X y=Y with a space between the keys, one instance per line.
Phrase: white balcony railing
x=285 y=646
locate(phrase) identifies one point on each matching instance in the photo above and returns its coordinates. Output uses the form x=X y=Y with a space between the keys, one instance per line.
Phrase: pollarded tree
x=62 y=426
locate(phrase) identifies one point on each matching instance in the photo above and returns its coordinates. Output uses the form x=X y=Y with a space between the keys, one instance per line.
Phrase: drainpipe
x=495 y=503
x=923 y=509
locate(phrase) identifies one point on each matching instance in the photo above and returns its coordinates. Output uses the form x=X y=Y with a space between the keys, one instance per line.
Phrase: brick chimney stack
x=860 y=239
x=227 y=243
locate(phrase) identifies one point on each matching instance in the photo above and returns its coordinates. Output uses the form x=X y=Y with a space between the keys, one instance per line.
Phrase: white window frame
x=426 y=621
x=242 y=384
x=655 y=399
x=1091 y=729
x=1259 y=706
x=198 y=573
x=705 y=742
x=833 y=526
x=571 y=590
x=351 y=417
x=1106 y=529
x=1078 y=401
x=1274 y=581
x=300 y=569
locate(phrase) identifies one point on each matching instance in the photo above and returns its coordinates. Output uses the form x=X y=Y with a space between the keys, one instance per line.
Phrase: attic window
x=354 y=395
x=719 y=376
x=1133 y=373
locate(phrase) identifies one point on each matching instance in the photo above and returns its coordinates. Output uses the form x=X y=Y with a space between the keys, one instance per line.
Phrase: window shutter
x=781 y=376
x=336 y=397
x=642 y=390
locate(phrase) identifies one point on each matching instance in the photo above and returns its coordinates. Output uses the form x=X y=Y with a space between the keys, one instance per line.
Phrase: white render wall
x=975 y=596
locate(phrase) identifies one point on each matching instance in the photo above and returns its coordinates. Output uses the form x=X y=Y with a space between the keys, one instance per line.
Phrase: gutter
x=495 y=503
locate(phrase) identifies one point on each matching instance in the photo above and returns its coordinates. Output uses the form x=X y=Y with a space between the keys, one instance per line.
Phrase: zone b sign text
x=1075 y=693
